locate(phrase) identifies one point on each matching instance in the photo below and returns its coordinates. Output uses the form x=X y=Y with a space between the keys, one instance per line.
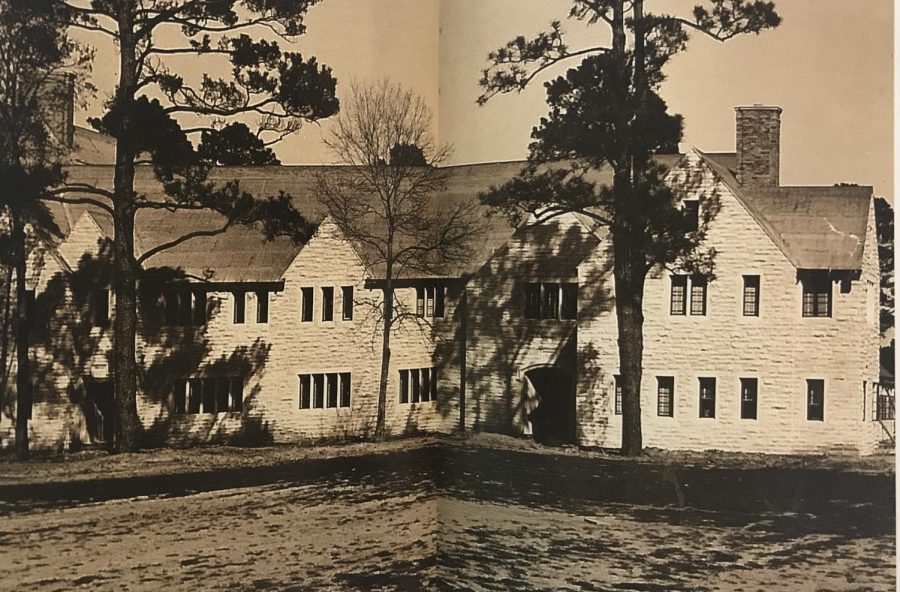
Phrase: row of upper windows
x=688 y=295
x=749 y=397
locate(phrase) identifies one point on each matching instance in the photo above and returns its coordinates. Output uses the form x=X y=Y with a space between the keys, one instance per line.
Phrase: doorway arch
x=553 y=419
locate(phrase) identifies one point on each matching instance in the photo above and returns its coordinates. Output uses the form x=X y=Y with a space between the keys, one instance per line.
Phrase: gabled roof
x=815 y=227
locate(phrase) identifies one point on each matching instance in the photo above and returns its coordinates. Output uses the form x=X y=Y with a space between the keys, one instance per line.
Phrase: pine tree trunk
x=23 y=370
x=128 y=426
x=387 y=318
x=630 y=317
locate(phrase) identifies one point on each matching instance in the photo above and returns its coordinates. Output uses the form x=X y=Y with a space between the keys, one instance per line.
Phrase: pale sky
x=828 y=66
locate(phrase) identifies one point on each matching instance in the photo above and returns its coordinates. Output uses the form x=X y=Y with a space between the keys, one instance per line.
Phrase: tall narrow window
x=434 y=382
x=179 y=396
x=345 y=389
x=199 y=308
x=185 y=307
x=347 y=303
x=318 y=391
x=618 y=394
x=532 y=301
x=416 y=384
x=209 y=395
x=195 y=392
x=816 y=294
x=707 y=397
x=440 y=293
x=306 y=305
x=426 y=384
x=101 y=308
x=332 y=381
x=222 y=398
x=327 y=304
x=748 y=398
x=237 y=394
x=751 y=295
x=815 y=400
x=698 y=295
x=679 y=291
x=404 y=386
x=420 y=301
x=262 y=306
x=549 y=301
x=665 y=396
x=240 y=306
x=305 y=391
x=429 y=301
x=569 y=308
x=691 y=210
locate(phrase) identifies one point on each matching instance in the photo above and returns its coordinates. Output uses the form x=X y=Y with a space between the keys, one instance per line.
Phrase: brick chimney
x=58 y=106
x=758 y=145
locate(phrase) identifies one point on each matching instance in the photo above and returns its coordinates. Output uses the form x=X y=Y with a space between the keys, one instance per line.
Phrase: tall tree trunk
x=128 y=426
x=387 y=321
x=6 y=327
x=23 y=370
x=630 y=317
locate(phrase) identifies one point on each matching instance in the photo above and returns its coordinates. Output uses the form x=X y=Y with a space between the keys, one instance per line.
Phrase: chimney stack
x=758 y=145
x=58 y=105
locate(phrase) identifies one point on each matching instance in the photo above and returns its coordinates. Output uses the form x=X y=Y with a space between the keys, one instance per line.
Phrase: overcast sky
x=829 y=67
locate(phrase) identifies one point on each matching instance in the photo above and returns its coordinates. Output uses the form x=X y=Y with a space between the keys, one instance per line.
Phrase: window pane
x=414 y=379
x=532 y=301
x=200 y=308
x=404 y=386
x=429 y=301
x=815 y=400
x=209 y=395
x=347 y=303
x=691 y=211
x=328 y=304
x=262 y=307
x=305 y=391
x=240 y=304
x=679 y=287
x=306 y=305
x=550 y=301
x=748 y=398
x=751 y=295
x=698 y=295
x=318 y=391
x=440 y=293
x=434 y=381
x=332 y=390
x=569 y=301
x=665 y=395
x=179 y=396
x=345 y=389
x=426 y=383
x=195 y=391
x=222 y=401
x=707 y=397
x=618 y=393
x=237 y=394
x=816 y=294
x=420 y=301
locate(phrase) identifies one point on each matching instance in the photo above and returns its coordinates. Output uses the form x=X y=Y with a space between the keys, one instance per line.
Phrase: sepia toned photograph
x=439 y=295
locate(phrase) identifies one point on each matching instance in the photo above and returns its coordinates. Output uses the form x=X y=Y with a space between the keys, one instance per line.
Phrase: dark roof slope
x=816 y=227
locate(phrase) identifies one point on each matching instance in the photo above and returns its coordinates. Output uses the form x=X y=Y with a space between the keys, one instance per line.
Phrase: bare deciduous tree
x=385 y=202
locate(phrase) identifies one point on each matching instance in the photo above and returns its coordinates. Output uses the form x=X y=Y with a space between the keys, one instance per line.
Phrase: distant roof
x=816 y=227
x=92 y=148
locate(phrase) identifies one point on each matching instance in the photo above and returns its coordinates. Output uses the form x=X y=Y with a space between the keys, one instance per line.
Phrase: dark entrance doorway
x=553 y=420
x=99 y=411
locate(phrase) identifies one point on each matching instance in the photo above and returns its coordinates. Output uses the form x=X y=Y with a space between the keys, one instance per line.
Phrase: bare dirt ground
x=461 y=516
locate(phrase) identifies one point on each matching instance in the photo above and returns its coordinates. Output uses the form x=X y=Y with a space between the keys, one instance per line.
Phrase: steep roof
x=816 y=227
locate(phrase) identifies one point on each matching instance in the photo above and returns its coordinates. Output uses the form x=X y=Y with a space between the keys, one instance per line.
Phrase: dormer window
x=816 y=294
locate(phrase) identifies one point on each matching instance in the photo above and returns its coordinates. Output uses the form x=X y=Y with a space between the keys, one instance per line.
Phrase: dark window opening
x=179 y=397
x=404 y=386
x=751 y=295
x=305 y=391
x=429 y=301
x=691 y=211
x=327 y=304
x=569 y=301
x=240 y=307
x=195 y=392
x=425 y=373
x=815 y=400
x=665 y=396
x=209 y=395
x=185 y=308
x=306 y=305
x=532 y=301
x=101 y=307
x=237 y=394
x=708 y=397
x=679 y=291
x=262 y=306
x=420 y=301
x=618 y=392
x=416 y=385
x=549 y=301
x=347 y=303
x=332 y=382
x=698 y=295
x=200 y=308
x=319 y=391
x=816 y=295
x=345 y=389
x=440 y=294
x=748 y=398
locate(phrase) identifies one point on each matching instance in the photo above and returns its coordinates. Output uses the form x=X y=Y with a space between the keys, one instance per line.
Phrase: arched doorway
x=553 y=420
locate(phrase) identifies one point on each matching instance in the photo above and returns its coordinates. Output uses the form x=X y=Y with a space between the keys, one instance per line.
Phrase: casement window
x=708 y=397
x=677 y=305
x=430 y=301
x=618 y=394
x=551 y=301
x=347 y=303
x=748 y=398
x=306 y=305
x=665 y=396
x=690 y=208
x=217 y=394
x=325 y=390
x=327 y=304
x=240 y=307
x=101 y=307
x=262 y=306
x=751 y=295
x=698 y=295
x=183 y=306
x=816 y=295
x=815 y=399
x=418 y=385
